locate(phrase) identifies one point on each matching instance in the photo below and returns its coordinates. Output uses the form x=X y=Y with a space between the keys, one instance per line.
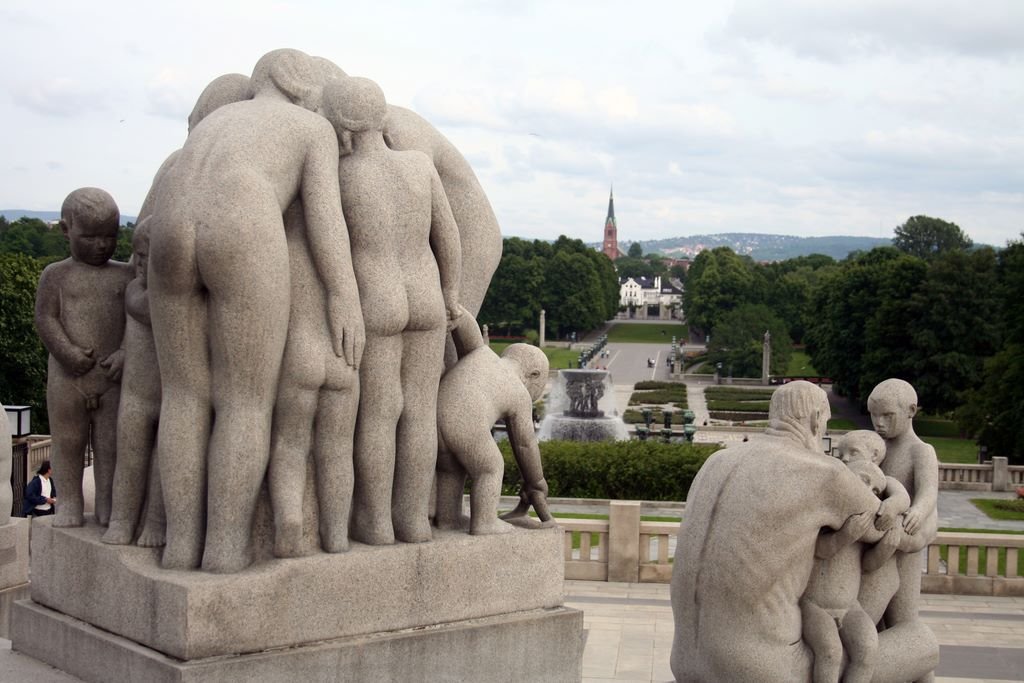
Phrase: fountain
x=581 y=408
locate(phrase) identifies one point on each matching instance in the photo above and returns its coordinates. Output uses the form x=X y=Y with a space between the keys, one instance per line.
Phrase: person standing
x=40 y=493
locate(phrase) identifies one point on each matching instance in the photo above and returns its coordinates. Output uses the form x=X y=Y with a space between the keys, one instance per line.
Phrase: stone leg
x=451 y=481
x=70 y=426
x=486 y=493
x=380 y=404
x=335 y=422
x=104 y=450
x=292 y=436
x=860 y=640
x=822 y=635
x=136 y=437
x=248 y=316
x=155 y=524
x=416 y=449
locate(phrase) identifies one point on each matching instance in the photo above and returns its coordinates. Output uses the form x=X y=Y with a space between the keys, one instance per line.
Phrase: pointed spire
x=611 y=205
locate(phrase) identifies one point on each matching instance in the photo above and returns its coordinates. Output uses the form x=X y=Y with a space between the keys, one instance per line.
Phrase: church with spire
x=610 y=246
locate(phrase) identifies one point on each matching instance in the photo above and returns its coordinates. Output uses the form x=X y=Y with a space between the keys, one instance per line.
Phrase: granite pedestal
x=13 y=567
x=460 y=607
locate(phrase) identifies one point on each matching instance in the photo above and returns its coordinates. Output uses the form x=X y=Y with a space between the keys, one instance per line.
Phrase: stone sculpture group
x=790 y=563
x=296 y=269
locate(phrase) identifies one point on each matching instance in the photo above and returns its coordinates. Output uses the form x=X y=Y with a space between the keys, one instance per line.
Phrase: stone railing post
x=624 y=540
x=1000 y=474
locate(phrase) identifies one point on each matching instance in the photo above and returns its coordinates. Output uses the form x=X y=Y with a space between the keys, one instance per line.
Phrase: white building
x=647 y=297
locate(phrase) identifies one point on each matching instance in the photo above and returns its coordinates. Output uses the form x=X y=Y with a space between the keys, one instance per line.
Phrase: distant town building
x=610 y=246
x=651 y=297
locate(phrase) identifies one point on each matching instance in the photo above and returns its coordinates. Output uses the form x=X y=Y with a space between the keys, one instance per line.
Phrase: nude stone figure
x=219 y=299
x=746 y=550
x=473 y=395
x=317 y=399
x=912 y=462
x=406 y=255
x=80 y=319
x=138 y=415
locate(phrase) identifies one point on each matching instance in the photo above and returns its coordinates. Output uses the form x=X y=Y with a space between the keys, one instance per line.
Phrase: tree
x=925 y=237
x=633 y=267
x=737 y=341
x=719 y=280
x=636 y=250
x=22 y=356
x=995 y=411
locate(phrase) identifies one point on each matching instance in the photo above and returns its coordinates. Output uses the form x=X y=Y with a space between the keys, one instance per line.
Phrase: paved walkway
x=630 y=633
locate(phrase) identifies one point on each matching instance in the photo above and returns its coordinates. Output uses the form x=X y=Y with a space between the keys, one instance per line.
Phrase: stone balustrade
x=624 y=548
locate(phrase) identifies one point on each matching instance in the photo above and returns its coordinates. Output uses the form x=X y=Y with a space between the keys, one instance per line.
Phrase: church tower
x=611 y=239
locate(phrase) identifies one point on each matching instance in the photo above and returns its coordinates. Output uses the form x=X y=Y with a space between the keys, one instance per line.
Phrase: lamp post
x=20 y=420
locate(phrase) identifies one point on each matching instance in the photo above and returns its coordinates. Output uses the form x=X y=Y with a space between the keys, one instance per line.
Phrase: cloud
x=170 y=94
x=838 y=32
x=61 y=97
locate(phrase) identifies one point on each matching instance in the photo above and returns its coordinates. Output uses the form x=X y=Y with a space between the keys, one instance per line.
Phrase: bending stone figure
x=80 y=318
x=220 y=299
x=405 y=251
x=477 y=391
x=746 y=550
x=317 y=399
x=833 y=618
x=912 y=462
x=139 y=414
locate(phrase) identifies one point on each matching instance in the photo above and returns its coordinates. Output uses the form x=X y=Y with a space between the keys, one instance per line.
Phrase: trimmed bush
x=738 y=394
x=649 y=384
x=620 y=470
x=736 y=417
x=659 y=396
x=739 y=406
x=931 y=426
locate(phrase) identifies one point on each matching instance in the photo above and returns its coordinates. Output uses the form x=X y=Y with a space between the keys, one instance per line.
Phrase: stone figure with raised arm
x=833 y=618
x=139 y=413
x=479 y=390
x=746 y=548
x=317 y=399
x=405 y=251
x=80 y=318
x=220 y=295
x=912 y=462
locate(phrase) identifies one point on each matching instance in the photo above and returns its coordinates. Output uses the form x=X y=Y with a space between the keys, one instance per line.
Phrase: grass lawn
x=558 y=359
x=647 y=334
x=800 y=365
x=842 y=423
x=963 y=451
x=996 y=508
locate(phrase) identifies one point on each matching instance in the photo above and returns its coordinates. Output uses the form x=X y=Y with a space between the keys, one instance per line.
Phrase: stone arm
x=466 y=334
x=919 y=540
x=853 y=529
x=926 y=487
x=444 y=240
x=73 y=358
x=895 y=502
x=523 y=439
x=136 y=302
x=327 y=233
x=880 y=553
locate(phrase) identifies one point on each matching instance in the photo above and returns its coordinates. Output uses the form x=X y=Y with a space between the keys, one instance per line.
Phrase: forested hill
x=762 y=247
x=15 y=214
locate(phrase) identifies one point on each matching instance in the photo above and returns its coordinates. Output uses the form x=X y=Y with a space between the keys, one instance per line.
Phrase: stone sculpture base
x=13 y=567
x=541 y=645
x=444 y=608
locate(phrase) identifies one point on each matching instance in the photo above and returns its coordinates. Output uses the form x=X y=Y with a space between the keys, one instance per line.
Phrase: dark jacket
x=34 y=495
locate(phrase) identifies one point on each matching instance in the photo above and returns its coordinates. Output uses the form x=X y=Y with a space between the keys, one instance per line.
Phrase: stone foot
x=118 y=533
x=414 y=533
x=288 y=540
x=220 y=560
x=491 y=526
x=178 y=555
x=67 y=517
x=152 y=536
x=461 y=523
x=372 y=532
x=334 y=543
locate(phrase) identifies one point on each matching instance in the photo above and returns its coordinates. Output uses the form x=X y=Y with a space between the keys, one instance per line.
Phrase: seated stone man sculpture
x=480 y=389
x=746 y=550
x=80 y=318
x=833 y=619
x=219 y=299
x=406 y=255
x=139 y=413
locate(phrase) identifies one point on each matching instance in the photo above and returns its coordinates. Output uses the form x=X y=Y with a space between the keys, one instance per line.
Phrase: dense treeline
x=575 y=285
x=933 y=310
x=27 y=245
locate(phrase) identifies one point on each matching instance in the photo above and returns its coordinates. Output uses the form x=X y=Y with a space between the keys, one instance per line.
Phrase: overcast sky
x=793 y=116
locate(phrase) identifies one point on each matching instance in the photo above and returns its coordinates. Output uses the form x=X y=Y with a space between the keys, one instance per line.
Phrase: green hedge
x=632 y=416
x=739 y=406
x=736 y=416
x=930 y=426
x=650 y=384
x=620 y=470
x=738 y=394
x=659 y=396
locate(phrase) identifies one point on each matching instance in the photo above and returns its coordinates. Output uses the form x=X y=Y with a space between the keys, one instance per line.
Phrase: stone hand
x=113 y=365
x=892 y=538
x=857 y=525
x=453 y=309
x=912 y=521
x=886 y=516
x=348 y=335
x=81 y=360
